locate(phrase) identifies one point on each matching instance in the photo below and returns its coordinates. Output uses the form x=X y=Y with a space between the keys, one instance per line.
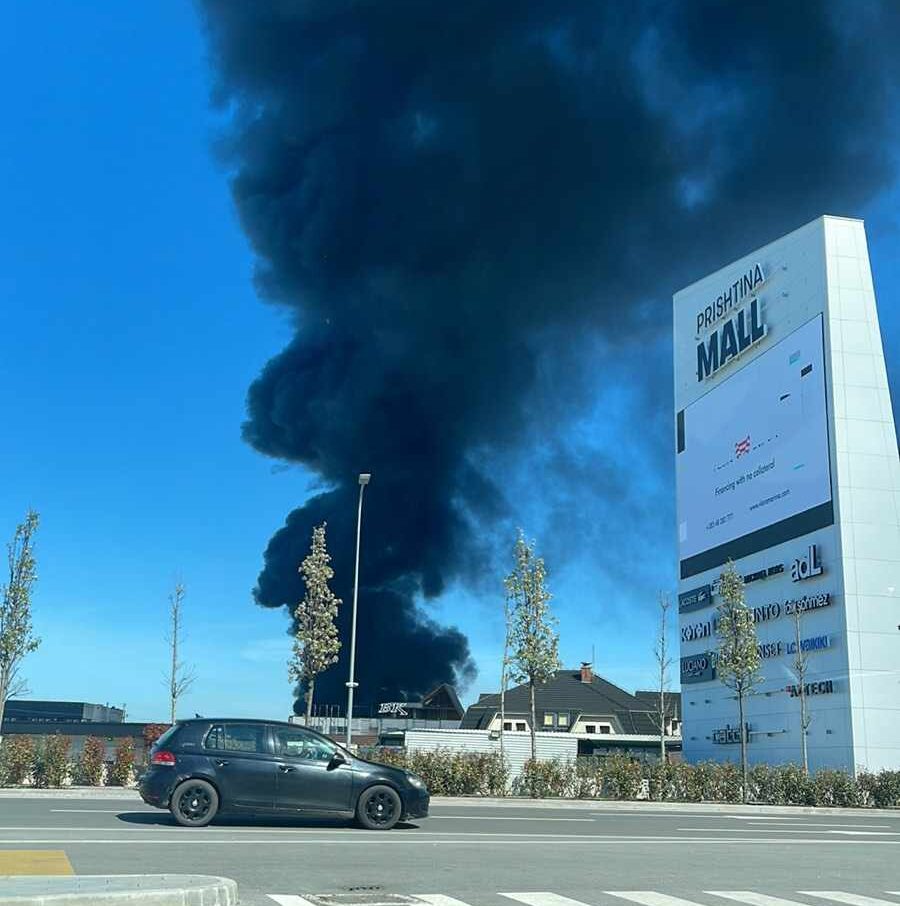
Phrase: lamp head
x=364 y=477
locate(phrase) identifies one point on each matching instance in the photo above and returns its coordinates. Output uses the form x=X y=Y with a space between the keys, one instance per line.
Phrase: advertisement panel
x=753 y=456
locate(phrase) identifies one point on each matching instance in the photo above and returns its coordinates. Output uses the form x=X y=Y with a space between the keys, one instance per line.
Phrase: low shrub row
x=47 y=762
x=619 y=777
x=450 y=773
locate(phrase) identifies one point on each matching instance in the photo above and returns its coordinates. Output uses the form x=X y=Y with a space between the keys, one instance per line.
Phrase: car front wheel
x=379 y=808
x=194 y=803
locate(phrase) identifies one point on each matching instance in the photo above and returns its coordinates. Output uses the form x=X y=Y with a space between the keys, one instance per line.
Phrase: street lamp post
x=352 y=684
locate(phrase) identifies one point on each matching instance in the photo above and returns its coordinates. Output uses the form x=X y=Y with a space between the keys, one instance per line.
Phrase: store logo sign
x=729 y=735
x=398 y=709
x=823 y=687
x=807 y=566
x=698 y=668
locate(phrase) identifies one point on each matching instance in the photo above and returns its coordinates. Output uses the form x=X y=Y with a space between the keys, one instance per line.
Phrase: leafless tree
x=801 y=668
x=663 y=662
x=181 y=676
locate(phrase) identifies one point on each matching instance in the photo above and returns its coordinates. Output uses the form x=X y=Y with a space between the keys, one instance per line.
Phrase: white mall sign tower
x=787 y=463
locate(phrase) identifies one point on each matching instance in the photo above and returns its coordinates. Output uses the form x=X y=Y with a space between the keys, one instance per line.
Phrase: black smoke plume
x=448 y=195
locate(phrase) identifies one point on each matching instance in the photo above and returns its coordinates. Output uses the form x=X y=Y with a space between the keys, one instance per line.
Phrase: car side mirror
x=336 y=760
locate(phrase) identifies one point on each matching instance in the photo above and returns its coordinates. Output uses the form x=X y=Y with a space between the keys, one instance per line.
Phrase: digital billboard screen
x=753 y=467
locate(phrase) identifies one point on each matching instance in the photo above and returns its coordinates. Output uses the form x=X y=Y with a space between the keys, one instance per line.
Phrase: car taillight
x=163 y=757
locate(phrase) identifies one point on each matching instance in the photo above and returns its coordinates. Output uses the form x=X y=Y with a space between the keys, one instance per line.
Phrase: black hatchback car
x=200 y=768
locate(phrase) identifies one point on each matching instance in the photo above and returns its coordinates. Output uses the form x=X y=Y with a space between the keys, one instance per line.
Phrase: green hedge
x=449 y=773
x=619 y=777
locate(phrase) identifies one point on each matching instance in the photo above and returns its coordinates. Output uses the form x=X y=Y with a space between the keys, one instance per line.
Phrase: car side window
x=215 y=738
x=248 y=738
x=295 y=743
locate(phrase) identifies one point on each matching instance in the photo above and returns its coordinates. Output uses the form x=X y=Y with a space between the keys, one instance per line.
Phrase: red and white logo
x=742 y=447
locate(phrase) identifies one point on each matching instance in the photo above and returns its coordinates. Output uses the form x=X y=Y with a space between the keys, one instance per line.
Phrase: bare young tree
x=737 y=660
x=534 y=639
x=17 y=638
x=317 y=641
x=663 y=662
x=504 y=664
x=181 y=676
x=801 y=668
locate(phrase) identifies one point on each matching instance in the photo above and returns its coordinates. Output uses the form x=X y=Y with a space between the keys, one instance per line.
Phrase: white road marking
x=288 y=899
x=851 y=899
x=865 y=833
x=542 y=898
x=108 y=811
x=752 y=898
x=799 y=822
x=439 y=899
x=773 y=830
x=378 y=837
x=505 y=818
x=649 y=898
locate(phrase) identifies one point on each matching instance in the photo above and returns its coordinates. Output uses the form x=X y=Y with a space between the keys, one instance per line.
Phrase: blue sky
x=131 y=332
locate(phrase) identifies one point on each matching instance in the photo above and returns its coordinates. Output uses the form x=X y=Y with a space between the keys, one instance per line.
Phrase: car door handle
x=286 y=768
x=220 y=763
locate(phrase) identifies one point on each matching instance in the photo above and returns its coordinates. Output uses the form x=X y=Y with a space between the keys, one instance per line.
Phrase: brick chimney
x=587 y=674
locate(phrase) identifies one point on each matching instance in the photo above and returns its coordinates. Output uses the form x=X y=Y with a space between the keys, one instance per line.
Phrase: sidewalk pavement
x=594 y=805
x=118 y=890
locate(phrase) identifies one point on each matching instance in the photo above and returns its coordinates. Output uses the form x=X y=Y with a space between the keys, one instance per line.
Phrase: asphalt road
x=488 y=856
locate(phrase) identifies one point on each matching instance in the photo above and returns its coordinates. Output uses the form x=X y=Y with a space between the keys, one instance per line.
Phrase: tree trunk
x=803 y=725
x=743 y=746
x=662 y=722
x=4 y=691
x=502 y=701
x=533 y=731
x=309 y=699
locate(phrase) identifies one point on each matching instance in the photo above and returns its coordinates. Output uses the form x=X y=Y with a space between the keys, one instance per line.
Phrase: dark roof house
x=573 y=701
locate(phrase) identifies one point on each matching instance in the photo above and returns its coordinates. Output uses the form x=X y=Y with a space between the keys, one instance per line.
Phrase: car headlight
x=416 y=781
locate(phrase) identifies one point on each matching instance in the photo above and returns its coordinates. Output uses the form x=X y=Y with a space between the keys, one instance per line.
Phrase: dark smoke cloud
x=449 y=195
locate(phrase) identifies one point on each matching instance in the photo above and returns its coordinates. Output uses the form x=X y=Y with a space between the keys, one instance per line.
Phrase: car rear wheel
x=194 y=803
x=379 y=808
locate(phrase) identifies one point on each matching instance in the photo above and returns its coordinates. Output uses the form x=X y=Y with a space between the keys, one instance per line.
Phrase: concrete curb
x=71 y=792
x=118 y=890
x=624 y=805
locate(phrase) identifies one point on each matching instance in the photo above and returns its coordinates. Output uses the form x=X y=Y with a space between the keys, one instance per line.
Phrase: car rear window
x=166 y=737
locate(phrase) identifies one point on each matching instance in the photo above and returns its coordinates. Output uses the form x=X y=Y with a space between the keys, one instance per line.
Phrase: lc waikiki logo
x=739 y=332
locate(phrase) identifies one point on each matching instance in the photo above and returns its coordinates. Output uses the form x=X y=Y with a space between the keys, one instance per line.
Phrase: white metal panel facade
x=516 y=746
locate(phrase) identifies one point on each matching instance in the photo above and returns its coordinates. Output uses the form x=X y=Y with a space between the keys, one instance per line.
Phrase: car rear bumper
x=155 y=787
x=416 y=804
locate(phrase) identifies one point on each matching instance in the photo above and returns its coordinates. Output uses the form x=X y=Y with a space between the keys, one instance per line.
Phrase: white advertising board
x=754 y=453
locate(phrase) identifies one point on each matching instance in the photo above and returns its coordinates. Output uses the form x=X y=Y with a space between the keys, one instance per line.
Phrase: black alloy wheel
x=194 y=803
x=379 y=808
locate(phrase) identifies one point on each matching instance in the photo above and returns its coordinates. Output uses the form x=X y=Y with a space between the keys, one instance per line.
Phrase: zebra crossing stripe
x=542 y=898
x=649 y=898
x=752 y=898
x=851 y=899
x=439 y=899
x=288 y=899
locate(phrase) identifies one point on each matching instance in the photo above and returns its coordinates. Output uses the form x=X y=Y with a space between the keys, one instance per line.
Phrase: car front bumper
x=416 y=803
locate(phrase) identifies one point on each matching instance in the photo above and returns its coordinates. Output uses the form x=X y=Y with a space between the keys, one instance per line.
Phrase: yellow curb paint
x=34 y=862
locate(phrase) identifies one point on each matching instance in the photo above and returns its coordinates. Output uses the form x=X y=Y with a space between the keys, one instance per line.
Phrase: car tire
x=379 y=808
x=194 y=803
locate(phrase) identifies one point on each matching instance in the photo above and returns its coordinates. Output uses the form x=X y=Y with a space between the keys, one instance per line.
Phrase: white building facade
x=787 y=463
